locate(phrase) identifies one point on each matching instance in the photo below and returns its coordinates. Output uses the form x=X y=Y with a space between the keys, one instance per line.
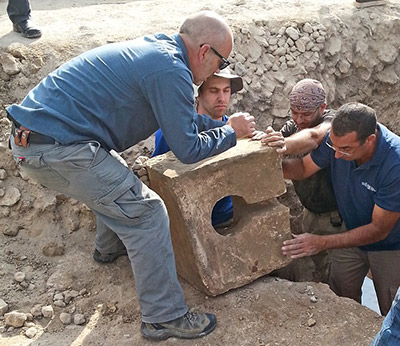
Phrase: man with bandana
x=303 y=133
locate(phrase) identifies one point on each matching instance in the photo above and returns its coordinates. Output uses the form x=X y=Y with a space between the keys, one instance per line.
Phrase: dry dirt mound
x=46 y=239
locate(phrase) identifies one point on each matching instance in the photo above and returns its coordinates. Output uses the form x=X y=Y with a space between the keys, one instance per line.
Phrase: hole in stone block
x=242 y=214
x=222 y=215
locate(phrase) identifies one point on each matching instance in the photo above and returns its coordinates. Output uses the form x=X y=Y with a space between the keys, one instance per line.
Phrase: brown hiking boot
x=190 y=326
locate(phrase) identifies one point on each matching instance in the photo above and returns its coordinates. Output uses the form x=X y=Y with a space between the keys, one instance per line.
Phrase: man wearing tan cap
x=213 y=99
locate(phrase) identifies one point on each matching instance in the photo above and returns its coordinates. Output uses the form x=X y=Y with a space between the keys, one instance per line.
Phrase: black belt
x=34 y=137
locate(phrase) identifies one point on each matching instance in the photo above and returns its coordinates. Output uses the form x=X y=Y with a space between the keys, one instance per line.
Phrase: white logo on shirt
x=369 y=187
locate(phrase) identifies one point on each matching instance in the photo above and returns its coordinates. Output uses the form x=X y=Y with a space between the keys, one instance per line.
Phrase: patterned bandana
x=307 y=95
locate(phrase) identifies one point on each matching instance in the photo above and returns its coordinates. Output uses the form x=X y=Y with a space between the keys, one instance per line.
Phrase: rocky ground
x=56 y=293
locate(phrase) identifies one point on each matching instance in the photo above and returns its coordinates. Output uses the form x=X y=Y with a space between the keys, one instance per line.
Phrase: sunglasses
x=225 y=63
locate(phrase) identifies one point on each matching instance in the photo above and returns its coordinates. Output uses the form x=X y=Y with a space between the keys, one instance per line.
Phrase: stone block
x=217 y=261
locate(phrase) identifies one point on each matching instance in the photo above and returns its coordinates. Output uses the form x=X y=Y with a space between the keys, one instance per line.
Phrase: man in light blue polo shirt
x=364 y=160
x=110 y=98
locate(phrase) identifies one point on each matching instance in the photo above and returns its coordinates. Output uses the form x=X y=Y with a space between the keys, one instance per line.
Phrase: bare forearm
x=293 y=168
x=308 y=244
x=300 y=143
x=306 y=140
x=363 y=235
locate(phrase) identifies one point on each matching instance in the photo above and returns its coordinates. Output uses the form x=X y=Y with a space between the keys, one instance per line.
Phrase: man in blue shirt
x=213 y=99
x=110 y=98
x=389 y=335
x=364 y=160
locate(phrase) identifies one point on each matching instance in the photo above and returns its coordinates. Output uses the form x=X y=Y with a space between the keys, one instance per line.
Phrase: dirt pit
x=46 y=239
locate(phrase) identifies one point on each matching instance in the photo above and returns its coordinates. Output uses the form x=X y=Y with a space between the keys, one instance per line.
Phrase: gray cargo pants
x=128 y=214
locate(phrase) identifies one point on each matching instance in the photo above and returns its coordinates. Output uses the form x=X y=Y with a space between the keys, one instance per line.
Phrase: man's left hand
x=258 y=135
x=302 y=245
x=274 y=139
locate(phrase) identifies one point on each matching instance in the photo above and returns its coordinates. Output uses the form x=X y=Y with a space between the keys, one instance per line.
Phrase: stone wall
x=355 y=55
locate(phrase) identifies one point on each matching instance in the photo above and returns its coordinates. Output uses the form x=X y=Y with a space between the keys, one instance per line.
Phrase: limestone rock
x=344 y=66
x=53 y=249
x=9 y=64
x=73 y=222
x=3 y=174
x=19 y=276
x=388 y=75
x=292 y=33
x=31 y=332
x=334 y=46
x=36 y=311
x=11 y=230
x=15 y=319
x=388 y=53
x=307 y=27
x=79 y=319
x=69 y=295
x=65 y=318
x=46 y=201
x=216 y=261
x=47 y=311
x=11 y=196
x=60 y=280
x=311 y=322
x=240 y=70
x=18 y=50
x=59 y=303
x=300 y=46
x=58 y=296
x=3 y=307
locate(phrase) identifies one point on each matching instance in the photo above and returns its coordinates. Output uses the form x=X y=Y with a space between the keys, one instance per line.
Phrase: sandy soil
x=49 y=237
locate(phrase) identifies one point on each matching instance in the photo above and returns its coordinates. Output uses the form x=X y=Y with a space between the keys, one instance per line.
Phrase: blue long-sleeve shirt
x=121 y=93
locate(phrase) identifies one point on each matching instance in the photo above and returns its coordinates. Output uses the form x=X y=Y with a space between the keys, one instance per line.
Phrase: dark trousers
x=18 y=10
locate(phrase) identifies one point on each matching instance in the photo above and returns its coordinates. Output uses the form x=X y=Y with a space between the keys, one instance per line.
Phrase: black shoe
x=109 y=257
x=368 y=3
x=190 y=326
x=27 y=29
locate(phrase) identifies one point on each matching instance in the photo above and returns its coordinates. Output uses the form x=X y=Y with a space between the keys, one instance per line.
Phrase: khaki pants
x=321 y=224
x=350 y=266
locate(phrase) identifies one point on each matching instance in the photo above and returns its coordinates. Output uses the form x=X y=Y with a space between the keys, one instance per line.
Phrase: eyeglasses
x=343 y=152
x=225 y=63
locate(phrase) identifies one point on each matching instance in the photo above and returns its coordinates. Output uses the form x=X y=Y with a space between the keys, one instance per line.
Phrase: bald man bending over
x=112 y=97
